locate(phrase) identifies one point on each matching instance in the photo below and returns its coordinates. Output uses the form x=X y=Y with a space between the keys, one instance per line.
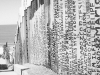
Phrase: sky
x=9 y=11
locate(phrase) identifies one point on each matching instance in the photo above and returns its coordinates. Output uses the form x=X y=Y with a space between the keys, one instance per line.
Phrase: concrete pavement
x=28 y=69
x=8 y=73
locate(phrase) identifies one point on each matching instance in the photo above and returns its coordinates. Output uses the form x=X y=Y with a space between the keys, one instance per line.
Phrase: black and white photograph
x=49 y=37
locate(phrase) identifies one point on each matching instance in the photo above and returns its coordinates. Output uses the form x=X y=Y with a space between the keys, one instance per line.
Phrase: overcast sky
x=9 y=11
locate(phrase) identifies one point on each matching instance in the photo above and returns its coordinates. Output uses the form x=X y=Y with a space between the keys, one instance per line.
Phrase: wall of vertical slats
x=63 y=35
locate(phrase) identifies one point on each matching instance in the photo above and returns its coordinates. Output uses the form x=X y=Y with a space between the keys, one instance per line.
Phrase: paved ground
x=38 y=70
x=8 y=73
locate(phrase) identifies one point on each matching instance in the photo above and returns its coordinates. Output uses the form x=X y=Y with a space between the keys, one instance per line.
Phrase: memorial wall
x=63 y=35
